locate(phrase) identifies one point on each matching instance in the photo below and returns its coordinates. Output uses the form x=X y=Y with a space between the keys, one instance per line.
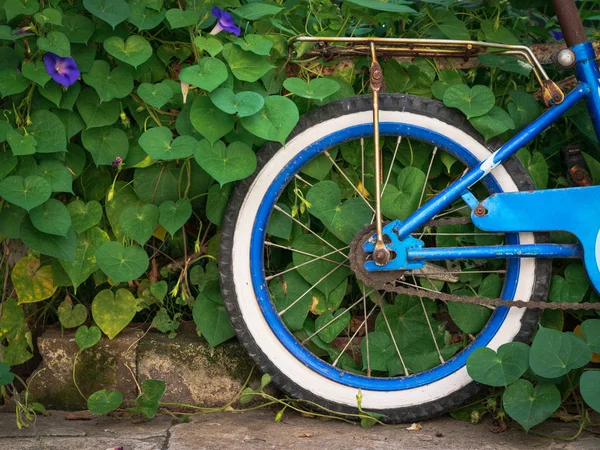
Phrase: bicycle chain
x=386 y=281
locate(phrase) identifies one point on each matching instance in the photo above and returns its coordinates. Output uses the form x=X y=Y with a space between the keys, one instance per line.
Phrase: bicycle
x=290 y=319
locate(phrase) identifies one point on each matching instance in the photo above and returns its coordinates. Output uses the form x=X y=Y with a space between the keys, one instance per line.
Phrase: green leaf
x=254 y=11
x=245 y=66
x=71 y=316
x=447 y=78
x=6 y=377
x=501 y=368
x=275 y=121
x=255 y=43
x=212 y=45
x=243 y=103
x=332 y=324
x=156 y=95
x=449 y=24
x=120 y=263
x=49 y=244
x=494 y=122
x=158 y=143
x=32 y=282
x=51 y=217
x=554 y=353
x=536 y=166
x=14 y=8
x=35 y=72
x=25 y=192
x=94 y=112
x=473 y=102
x=84 y=215
x=216 y=202
x=159 y=289
x=109 y=85
x=12 y=82
x=211 y=318
x=87 y=337
x=179 y=19
x=398 y=202
x=523 y=108
x=497 y=33
x=134 y=51
x=235 y=162
x=144 y=18
x=113 y=312
x=530 y=405
x=52 y=92
x=294 y=295
x=84 y=265
x=78 y=29
x=14 y=345
x=506 y=63
x=573 y=287
x=20 y=144
x=103 y=402
x=318 y=88
x=589 y=385
x=383 y=6
x=400 y=78
x=343 y=220
x=48 y=131
x=147 y=403
x=280 y=224
x=105 y=144
x=7 y=163
x=591 y=331
x=210 y=121
x=173 y=215
x=48 y=15
x=138 y=222
x=208 y=74
x=55 y=42
x=112 y=12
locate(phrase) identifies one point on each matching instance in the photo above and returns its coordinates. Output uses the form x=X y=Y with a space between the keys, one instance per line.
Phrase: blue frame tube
x=586 y=71
x=495 y=251
x=520 y=140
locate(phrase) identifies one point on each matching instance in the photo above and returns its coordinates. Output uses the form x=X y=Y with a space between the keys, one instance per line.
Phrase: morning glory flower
x=224 y=22
x=558 y=35
x=63 y=70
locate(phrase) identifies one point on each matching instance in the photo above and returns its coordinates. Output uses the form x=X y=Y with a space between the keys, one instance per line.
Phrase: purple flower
x=20 y=31
x=558 y=35
x=63 y=70
x=117 y=162
x=224 y=22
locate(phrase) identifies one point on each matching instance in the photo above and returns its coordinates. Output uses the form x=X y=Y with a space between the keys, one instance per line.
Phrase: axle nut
x=381 y=255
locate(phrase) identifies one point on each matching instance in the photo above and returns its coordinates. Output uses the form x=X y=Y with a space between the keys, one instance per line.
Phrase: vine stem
x=74 y=375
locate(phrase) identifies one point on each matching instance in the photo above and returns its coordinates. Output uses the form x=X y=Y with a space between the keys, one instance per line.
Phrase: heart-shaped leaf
x=473 y=102
x=117 y=83
x=212 y=319
x=111 y=11
x=243 y=103
x=84 y=265
x=35 y=72
x=274 y=121
x=120 y=263
x=52 y=217
x=530 y=405
x=159 y=289
x=380 y=350
x=343 y=220
x=148 y=401
x=84 y=215
x=210 y=121
x=103 y=402
x=139 y=222
x=173 y=215
x=105 y=144
x=178 y=18
x=216 y=202
x=554 y=353
x=48 y=15
x=235 y=162
x=135 y=51
x=143 y=17
x=401 y=200
x=94 y=112
x=255 y=43
x=26 y=192
x=60 y=247
x=319 y=88
x=245 y=66
x=501 y=368
x=71 y=316
x=572 y=287
x=48 y=131
x=78 y=29
x=496 y=121
x=56 y=173
x=32 y=282
x=591 y=331
x=87 y=337
x=6 y=376
x=156 y=95
x=211 y=44
x=158 y=143
x=113 y=312
x=293 y=297
x=208 y=74
x=589 y=384
x=21 y=144
x=55 y=42
x=331 y=325
x=254 y=11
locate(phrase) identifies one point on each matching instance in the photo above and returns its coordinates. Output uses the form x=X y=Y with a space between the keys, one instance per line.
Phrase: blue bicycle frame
x=546 y=210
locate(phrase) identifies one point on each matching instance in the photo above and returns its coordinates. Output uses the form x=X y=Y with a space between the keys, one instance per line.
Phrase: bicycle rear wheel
x=309 y=321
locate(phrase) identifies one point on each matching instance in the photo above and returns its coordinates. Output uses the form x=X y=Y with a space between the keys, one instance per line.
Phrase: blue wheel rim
x=270 y=313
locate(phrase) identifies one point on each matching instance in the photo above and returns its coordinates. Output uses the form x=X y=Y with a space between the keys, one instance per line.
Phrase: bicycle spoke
x=308 y=229
x=364 y=299
x=303 y=180
x=387 y=323
x=316 y=258
x=364 y=323
x=272 y=244
x=435 y=149
x=362 y=162
x=387 y=178
x=430 y=327
x=282 y=312
x=360 y=194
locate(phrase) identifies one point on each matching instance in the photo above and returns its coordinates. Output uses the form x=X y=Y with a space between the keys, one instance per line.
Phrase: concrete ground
x=257 y=430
